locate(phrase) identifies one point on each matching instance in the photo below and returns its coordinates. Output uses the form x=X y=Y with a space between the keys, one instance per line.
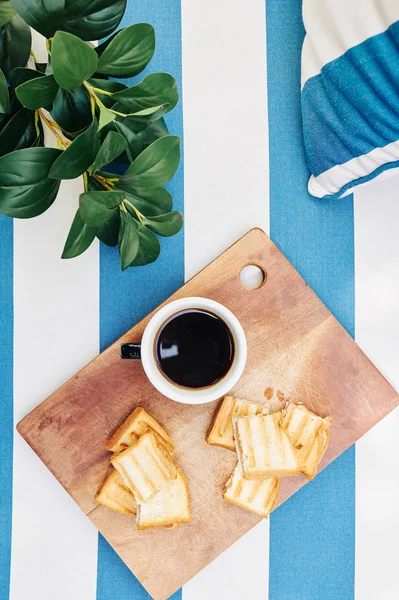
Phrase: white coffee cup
x=146 y=350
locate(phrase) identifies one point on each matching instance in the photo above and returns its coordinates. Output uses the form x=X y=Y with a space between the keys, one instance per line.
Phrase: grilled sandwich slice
x=263 y=447
x=221 y=431
x=138 y=423
x=258 y=496
x=145 y=467
x=169 y=507
x=115 y=495
x=309 y=434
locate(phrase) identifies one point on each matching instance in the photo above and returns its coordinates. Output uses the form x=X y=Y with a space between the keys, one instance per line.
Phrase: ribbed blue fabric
x=351 y=107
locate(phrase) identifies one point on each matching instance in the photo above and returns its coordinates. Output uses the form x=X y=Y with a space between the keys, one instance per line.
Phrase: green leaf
x=21 y=132
x=25 y=189
x=88 y=20
x=101 y=47
x=43 y=15
x=109 y=85
x=128 y=240
x=19 y=75
x=137 y=244
x=108 y=232
x=113 y=145
x=78 y=156
x=92 y=20
x=146 y=115
x=7 y=11
x=157 y=89
x=139 y=135
x=96 y=207
x=15 y=45
x=166 y=225
x=13 y=108
x=94 y=185
x=129 y=51
x=106 y=117
x=37 y=92
x=79 y=238
x=72 y=60
x=149 y=248
x=155 y=165
x=42 y=67
x=150 y=201
x=152 y=131
x=71 y=110
x=4 y=96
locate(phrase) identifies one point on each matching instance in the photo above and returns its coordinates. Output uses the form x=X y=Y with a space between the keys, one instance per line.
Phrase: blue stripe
x=6 y=400
x=312 y=535
x=351 y=107
x=127 y=297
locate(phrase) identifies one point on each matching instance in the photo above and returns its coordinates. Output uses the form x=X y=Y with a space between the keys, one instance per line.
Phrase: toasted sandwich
x=145 y=467
x=115 y=495
x=309 y=434
x=263 y=447
x=221 y=431
x=258 y=496
x=138 y=423
x=167 y=508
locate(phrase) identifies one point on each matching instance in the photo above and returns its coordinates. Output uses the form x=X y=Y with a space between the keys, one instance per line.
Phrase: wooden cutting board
x=296 y=349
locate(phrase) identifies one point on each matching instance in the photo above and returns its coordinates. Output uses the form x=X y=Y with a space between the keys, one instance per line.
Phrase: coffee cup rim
x=195 y=395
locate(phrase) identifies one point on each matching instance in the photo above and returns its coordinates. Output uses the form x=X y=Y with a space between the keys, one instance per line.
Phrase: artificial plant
x=95 y=120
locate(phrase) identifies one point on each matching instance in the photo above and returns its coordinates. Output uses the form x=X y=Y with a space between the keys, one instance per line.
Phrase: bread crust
x=220 y=432
x=309 y=435
x=114 y=495
x=263 y=447
x=259 y=497
x=145 y=467
x=137 y=424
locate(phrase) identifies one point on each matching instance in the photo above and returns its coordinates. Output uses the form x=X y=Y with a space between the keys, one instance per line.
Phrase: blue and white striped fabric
x=244 y=166
x=350 y=93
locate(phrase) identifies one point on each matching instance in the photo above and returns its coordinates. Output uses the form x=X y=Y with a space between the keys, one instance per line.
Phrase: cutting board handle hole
x=253 y=277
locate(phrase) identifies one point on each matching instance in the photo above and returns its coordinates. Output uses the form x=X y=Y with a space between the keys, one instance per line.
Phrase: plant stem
x=92 y=94
x=37 y=122
x=92 y=91
x=53 y=126
x=118 y=113
x=92 y=106
x=138 y=213
x=103 y=182
x=85 y=181
x=99 y=91
x=33 y=55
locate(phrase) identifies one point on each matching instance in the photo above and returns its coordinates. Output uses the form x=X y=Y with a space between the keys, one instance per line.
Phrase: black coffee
x=194 y=348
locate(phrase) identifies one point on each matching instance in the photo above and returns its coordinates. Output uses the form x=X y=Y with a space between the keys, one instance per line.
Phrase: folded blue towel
x=350 y=93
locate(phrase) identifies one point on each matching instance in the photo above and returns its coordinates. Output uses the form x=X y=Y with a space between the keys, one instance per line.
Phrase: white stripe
x=334 y=26
x=240 y=572
x=54 y=546
x=226 y=192
x=377 y=332
x=332 y=180
x=226 y=183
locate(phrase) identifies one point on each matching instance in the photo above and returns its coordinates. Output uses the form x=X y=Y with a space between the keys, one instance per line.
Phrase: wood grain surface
x=296 y=350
